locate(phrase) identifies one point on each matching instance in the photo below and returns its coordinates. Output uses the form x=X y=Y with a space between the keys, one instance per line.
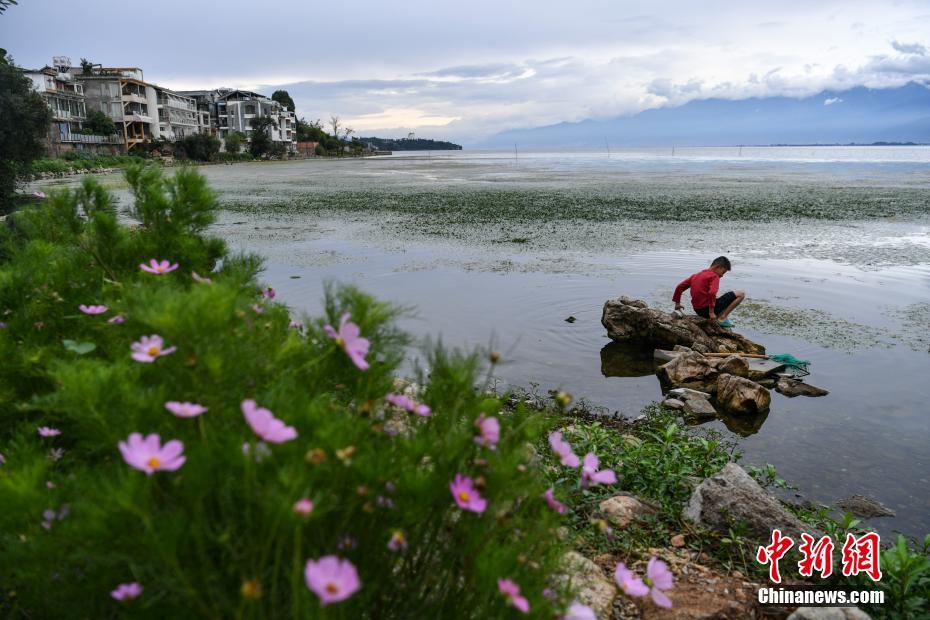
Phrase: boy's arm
x=714 y=287
x=681 y=288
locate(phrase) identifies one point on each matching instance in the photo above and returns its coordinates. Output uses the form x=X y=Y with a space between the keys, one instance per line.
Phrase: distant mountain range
x=858 y=115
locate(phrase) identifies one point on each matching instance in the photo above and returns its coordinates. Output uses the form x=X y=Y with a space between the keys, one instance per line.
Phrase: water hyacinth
x=349 y=338
x=489 y=431
x=149 y=348
x=265 y=425
x=552 y=502
x=158 y=267
x=332 y=579
x=148 y=455
x=590 y=474
x=127 y=591
x=563 y=449
x=465 y=494
x=92 y=309
x=48 y=431
x=185 y=409
x=511 y=592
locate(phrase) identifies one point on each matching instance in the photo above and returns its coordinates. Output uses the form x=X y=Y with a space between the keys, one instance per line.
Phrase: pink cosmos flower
x=465 y=494
x=2 y=459
x=185 y=409
x=268 y=293
x=331 y=578
x=265 y=425
x=659 y=577
x=119 y=319
x=591 y=475
x=349 y=338
x=127 y=591
x=511 y=592
x=398 y=541
x=92 y=309
x=199 y=278
x=158 y=268
x=148 y=455
x=405 y=402
x=629 y=582
x=38 y=194
x=489 y=431
x=577 y=611
x=258 y=309
x=303 y=507
x=555 y=504
x=294 y=324
x=563 y=449
x=48 y=431
x=148 y=348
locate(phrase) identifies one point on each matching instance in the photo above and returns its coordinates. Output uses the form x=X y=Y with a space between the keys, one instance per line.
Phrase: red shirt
x=703 y=285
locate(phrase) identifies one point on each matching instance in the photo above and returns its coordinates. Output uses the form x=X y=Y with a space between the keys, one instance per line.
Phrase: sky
x=465 y=70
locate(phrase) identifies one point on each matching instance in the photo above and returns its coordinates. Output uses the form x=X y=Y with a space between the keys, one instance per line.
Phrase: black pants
x=722 y=303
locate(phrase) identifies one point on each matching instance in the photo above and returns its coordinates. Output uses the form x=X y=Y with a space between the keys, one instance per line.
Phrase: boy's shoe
x=726 y=323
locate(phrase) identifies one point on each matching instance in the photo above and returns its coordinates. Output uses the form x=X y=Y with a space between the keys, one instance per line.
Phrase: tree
x=5 y=4
x=261 y=143
x=282 y=97
x=310 y=131
x=199 y=146
x=334 y=123
x=99 y=124
x=234 y=141
x=24 y=126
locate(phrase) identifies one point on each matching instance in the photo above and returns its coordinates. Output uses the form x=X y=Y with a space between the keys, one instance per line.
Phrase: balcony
x=136 y=118
x=134 y=98
x=80 y=138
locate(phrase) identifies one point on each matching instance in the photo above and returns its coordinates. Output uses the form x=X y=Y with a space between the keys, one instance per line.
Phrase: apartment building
x=65 y=97
x=234 y=110
x=123 y=94
x=179 y=116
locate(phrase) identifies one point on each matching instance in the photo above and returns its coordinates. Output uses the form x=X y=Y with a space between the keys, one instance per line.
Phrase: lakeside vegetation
x=410 y=144
x=364 y=475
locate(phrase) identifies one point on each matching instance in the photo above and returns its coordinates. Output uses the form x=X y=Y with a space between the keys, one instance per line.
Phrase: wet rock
x=762 y=369
x=620 y=510
x=687 y=394
x=570 y=319
x=700 y=407
x=731 y=498
x=829 y=613
x=865 y=507
x=795 y=387
x=733 y=365
x=738 y=395
x=592 y=586
x=673 y=403
x=691 y=370
x=631 y=320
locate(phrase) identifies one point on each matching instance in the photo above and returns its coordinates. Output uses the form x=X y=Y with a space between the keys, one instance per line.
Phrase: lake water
x=528 y=241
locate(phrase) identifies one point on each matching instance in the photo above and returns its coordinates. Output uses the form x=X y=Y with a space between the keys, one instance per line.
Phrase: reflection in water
x=744 y=425
x=619 y=359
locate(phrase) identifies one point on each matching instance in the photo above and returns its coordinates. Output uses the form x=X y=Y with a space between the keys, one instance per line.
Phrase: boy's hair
x=721 y=261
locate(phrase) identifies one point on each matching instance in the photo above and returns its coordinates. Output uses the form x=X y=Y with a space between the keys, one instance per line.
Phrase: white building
x=178 y=116
x=122 y=94
x=65 y=97
x=234 y=110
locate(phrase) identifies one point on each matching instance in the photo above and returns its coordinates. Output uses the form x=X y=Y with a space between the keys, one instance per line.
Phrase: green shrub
x=219 y=537
x=54 y=166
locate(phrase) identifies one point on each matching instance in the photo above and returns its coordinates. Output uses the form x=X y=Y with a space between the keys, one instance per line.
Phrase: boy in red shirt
x=704 y=285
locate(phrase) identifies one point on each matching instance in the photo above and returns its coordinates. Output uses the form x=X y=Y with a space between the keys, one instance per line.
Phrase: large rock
x=631 y=320
x=592 y=587
x=689 y=370
x=733 y=365
x=737 y=395
x=700 y=407
x=621 y=509
x=794 y=387
x=731 y=498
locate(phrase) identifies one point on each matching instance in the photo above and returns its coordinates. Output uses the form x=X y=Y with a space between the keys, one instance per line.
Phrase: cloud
x=832 y=100
x=909 y=48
